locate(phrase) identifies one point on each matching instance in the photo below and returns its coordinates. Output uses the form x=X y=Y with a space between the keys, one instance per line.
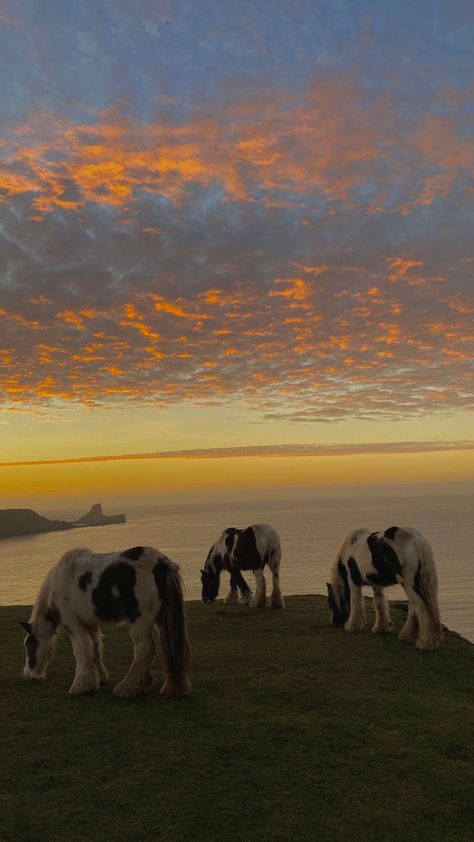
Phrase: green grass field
x=295 y=731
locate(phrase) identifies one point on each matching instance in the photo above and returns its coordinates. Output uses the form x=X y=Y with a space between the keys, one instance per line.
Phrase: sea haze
x=310 y=532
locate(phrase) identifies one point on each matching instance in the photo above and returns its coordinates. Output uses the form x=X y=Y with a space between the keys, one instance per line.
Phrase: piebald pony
x=244 y=549
x=400 y=555
x=140 y=586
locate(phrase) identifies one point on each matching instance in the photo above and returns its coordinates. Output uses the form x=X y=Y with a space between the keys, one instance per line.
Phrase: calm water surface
x=310 y=532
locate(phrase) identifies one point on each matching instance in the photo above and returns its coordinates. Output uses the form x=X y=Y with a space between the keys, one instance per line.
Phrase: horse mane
x=41 y=602
x=343 y=551
x=213 y=563
x=335 y=579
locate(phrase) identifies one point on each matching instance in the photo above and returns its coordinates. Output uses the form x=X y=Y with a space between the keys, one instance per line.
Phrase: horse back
x=256 y=546
x=108 y=587
x=379 y=559
x=246 y=554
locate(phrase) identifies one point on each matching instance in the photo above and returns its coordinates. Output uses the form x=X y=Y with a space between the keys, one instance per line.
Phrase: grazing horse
x=244 y=549
x=400 y=555
x=140 y=586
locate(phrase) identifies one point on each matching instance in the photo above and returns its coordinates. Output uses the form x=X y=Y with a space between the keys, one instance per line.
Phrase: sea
x=310 y=531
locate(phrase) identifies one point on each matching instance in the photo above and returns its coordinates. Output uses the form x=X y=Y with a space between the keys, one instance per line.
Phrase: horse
x=244 y=549
x=399 y=555
x=139 y=586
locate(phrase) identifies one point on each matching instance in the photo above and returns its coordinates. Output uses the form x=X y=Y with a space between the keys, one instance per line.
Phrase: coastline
x=16 y=523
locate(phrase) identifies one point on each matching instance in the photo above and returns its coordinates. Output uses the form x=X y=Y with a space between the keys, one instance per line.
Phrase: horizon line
x=264 y=451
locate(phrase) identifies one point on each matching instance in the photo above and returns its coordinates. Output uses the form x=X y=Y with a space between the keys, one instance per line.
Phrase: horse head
x=210 y=584
x=38 y=643
x=338 y=609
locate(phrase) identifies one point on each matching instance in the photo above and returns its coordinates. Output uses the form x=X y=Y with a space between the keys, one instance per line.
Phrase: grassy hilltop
x=295 y=731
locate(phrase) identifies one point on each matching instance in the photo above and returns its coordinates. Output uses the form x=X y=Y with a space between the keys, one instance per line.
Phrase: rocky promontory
x=96 y=517
x=27 y=522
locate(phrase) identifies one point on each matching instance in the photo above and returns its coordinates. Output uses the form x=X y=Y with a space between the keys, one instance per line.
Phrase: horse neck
x=337 y=583
x=218 y=565
x=335 y=576
x=42 y=600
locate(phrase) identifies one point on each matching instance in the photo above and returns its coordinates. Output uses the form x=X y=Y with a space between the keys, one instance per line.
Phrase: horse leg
x=245 y=592
x=87 y=675
x=260 y=597
x=233 y=594
x=276 y=599
x=427 y=637
x=383 y=622
x=356 y=621
x=410 y=630
x=139 y=677
x=97 y=638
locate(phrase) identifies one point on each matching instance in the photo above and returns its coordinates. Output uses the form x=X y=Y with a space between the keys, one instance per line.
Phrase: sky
x=240 y=234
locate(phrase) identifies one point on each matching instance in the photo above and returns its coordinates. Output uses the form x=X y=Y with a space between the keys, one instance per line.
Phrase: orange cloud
x=69 y=317
x=17 y=317
x=298 y=290
x=328 y=140
x=399 y=267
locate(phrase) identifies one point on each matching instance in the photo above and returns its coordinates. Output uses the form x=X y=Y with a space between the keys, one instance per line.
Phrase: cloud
x=283 y=451
x=314 y=348
x=309 y=254
x=275 y=147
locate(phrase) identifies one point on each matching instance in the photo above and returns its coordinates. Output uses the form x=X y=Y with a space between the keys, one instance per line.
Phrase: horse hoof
x=277 y=602
x=258 y=603
x=85 y=683
x=406 y=637
x=170 y=692
x=355 y=625
x=80 y=690
x=125 y=690
x=426 y=645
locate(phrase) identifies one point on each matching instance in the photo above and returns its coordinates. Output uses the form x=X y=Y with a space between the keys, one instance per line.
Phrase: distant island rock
x=15 y=522
x=96 y=517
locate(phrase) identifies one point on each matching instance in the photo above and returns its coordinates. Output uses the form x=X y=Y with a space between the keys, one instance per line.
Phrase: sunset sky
x=235 y=225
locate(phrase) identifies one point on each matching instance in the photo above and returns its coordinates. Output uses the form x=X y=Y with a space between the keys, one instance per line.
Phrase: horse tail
x=276 y=553
x=175 y=649
x=272 y=556
x=428 y=583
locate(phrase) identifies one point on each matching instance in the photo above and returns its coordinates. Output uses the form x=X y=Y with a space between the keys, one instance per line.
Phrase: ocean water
x=310 y=531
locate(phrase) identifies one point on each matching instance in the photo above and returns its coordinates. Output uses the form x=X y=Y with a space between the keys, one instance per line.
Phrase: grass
x=295 y=731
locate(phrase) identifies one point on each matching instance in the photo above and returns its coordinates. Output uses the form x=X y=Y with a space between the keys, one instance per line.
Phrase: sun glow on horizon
x=129 y=478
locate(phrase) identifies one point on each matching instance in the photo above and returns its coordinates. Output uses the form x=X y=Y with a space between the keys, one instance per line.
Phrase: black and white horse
x=244 y=549
x=400 y=555
x=140 y=586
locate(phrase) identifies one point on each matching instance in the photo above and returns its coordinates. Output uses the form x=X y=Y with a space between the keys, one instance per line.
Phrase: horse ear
x=26 y=626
